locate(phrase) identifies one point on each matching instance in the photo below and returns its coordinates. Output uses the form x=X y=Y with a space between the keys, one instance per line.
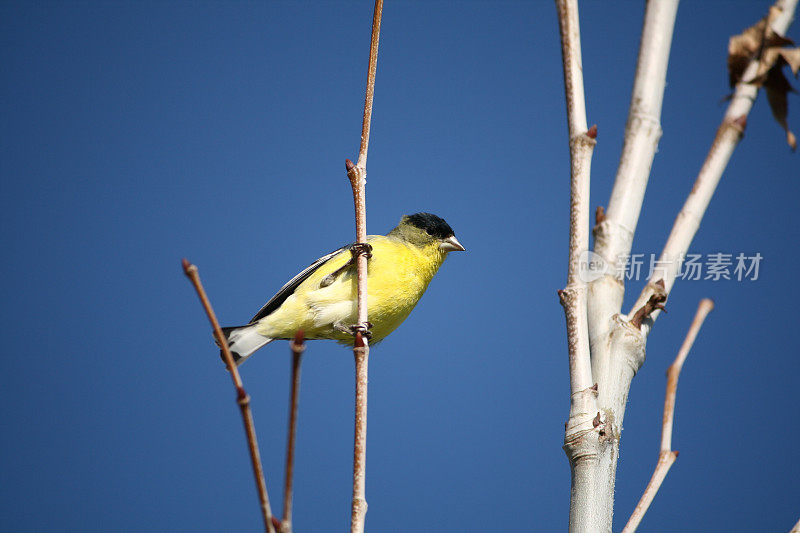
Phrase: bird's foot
x=353 y=329
x=361 y=248
x=364 y=329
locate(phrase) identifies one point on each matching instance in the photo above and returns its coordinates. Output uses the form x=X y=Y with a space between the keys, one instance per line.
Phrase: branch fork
x=616 y=341
x=654 y=303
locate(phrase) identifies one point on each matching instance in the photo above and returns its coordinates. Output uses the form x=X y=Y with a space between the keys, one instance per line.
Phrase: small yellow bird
x=321 y=300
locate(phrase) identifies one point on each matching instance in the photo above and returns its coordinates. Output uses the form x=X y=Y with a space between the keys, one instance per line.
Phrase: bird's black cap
x=431 y=224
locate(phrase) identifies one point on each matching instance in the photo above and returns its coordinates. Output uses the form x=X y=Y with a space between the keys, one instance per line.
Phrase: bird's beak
x=451 y=244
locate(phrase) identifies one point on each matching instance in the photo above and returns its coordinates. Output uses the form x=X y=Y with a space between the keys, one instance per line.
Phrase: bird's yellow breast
x=398 y=274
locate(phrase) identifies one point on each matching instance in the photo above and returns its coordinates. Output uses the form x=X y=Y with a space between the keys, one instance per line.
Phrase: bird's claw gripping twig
x=359 y=248
x=353 y=329
x=356 y=249
x=364 y=329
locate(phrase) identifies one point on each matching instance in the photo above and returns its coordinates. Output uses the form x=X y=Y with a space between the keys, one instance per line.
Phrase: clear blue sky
x=137 y=133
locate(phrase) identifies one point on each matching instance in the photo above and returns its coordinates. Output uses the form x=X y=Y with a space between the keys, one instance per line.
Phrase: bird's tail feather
x=243 y=342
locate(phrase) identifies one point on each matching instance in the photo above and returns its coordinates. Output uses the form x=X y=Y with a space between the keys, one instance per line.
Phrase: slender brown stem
x=361 y=353
x=298 y=348
x=370 y=91
x=359 y=507
x=358 y=180
x=242 y=398
x=666 y=455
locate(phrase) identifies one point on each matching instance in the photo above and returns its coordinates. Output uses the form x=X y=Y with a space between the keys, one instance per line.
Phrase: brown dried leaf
x=760 y=42
x=742 y=49
x=792 y=58
x=749 y=45
x=777 y=86
x=776 y=56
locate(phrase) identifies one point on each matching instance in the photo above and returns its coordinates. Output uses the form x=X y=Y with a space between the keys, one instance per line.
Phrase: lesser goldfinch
x=321 y=300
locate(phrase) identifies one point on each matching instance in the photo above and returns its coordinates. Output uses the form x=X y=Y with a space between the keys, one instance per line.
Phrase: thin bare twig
x=298 y=348
x=581 y=435
x=370 y=91
x=358 y=181
x=242 y=398
x=666 y=455
x=359 y=507
x=581 y=144
x=360 y=352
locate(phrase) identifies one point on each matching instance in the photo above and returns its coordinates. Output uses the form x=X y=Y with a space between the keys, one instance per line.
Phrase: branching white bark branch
x=666 y=455
x=614 y=232
x=617 y=346
x=727 y=138
x=616 y=341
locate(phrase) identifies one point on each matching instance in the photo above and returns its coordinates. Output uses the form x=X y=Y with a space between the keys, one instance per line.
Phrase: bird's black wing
x=287 y=290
